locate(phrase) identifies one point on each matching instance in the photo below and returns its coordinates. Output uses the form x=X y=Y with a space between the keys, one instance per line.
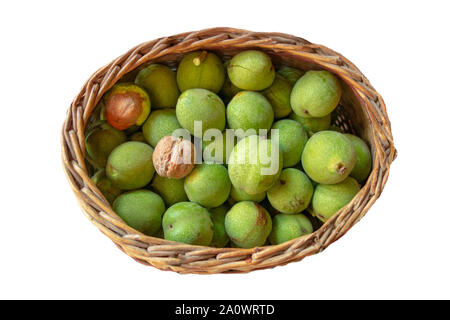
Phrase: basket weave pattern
x=373 y=124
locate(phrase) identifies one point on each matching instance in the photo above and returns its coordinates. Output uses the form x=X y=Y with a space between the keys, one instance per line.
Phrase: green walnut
x=188 y=222
x=159 y=124
x=201 y=69
x=109 y=191
x=141 y=210
x=249 y=110
x=313 y=125
x=330 y=198
x=363 y=163
x=290 y=74
x=130 y=165
x=220 y=238
x=248 y=224
x=279 y=96
x=161 y=85
x=171 y=190
x=208 y=185
x=292 y=193
x=292 y=139
x=126 y=104
x=101 y=141
x=289 y=226
x=328 y=157
x=200 y=105
x=239 y=195
x=251 y=70
x=316 y=94
x=254 y=165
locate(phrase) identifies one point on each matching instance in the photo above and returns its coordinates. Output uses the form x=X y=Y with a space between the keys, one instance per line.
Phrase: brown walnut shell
x=173 y=157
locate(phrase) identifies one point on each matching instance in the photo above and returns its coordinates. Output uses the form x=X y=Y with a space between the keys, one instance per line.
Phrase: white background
x=48 y=249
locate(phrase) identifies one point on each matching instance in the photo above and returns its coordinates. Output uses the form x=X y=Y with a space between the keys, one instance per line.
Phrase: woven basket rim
x=183 y=258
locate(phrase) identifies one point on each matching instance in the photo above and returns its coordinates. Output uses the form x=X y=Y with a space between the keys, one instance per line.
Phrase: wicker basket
x=361 y=111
